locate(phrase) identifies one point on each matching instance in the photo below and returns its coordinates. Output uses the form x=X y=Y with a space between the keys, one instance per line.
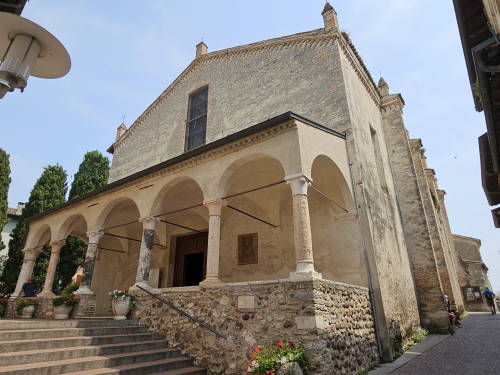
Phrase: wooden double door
x=190 y=259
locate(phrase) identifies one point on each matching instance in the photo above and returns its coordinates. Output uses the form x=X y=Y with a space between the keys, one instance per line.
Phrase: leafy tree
x=48 y=191
x=92 y=174
x=4 y=189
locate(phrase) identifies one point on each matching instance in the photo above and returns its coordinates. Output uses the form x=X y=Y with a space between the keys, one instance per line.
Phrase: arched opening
x=336 y=237
x=72 y=255
x=118 y=251
x=41 y=241
x=256 y=227
x=183 y=231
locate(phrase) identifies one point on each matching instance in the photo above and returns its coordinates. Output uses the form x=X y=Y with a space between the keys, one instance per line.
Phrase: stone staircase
x=87 y=347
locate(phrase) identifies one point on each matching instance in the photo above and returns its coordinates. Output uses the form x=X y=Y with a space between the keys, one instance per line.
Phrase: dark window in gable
x=197 y=119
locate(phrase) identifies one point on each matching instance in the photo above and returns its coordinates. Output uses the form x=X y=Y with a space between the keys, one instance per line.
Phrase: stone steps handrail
x=200 y=322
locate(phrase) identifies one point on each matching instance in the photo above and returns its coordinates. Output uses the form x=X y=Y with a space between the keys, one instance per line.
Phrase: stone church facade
x=272 y=190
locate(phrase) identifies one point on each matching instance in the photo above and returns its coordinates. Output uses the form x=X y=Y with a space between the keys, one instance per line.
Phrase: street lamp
x=28 y=49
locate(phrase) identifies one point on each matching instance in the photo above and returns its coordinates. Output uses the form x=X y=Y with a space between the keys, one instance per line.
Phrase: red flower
x=291 y=344
x=126 y=290
x=253 y=356
x=65 y=302
x=280 y=344
x=257 y=349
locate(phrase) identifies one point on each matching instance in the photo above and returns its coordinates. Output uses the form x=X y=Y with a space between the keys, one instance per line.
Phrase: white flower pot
x=27 y=312
x=121 y=308
x=62 y=311
x=291 y=368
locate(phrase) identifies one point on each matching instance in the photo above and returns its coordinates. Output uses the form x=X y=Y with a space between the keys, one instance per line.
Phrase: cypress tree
x=92 y=174
x=48 y=191
x=4 y=189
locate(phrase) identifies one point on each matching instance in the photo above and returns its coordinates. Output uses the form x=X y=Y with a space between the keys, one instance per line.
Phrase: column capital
x=94 y=236
x=57 y=245
x=149 y=222
x=299 y=183
x=31 y=254
x=214 y=206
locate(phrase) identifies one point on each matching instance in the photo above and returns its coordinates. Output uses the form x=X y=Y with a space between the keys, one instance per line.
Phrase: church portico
x=235 y=212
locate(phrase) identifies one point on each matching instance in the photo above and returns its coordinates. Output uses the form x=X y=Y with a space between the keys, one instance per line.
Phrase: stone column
x=302 y=229
x=30 y=256
x=51 y=269
x=148 y=233
x=214 y=211
x=88 y=265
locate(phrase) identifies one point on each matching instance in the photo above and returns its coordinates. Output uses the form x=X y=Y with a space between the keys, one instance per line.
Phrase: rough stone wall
x=332 y=320
x=419 y=242
x=372 y=173
x=471 y=270
x=243 y=90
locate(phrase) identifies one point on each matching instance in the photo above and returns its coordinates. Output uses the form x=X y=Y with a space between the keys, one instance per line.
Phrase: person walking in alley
x=490 y=300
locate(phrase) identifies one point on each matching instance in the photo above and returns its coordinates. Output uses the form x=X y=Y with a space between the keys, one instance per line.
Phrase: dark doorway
x=190 y=259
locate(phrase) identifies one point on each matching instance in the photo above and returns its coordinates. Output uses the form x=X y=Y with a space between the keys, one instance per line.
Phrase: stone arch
x=75 y=224
x=186 y=181
x=103 y=216
x=40 y=236
x=232 y=169
x=336 y=237
x=275 y=248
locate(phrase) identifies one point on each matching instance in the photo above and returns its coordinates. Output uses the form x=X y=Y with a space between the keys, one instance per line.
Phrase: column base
x=86 y=307
x=212 y=282
x=142 y=284
x=84 y=290
x=305 y=272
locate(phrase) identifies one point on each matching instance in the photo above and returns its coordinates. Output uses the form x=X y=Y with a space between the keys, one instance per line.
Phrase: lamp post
x=28 y=49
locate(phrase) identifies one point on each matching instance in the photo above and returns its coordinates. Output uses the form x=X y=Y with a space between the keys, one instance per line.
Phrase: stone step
x=66 y=342
x=156 y=367
x=21 y=324
x=161 y=360
x=57 y=354
x=24 y=334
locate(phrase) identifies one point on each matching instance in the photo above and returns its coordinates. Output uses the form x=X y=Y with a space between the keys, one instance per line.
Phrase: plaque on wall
x=248 y=249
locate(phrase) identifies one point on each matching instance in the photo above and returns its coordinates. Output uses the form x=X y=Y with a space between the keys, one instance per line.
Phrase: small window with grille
x=196 y=126
x=472 y=294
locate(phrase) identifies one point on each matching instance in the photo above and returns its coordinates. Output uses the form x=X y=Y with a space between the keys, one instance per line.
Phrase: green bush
x=268 y=360
x=21 y=304
x=70 y=288
x=67 y=300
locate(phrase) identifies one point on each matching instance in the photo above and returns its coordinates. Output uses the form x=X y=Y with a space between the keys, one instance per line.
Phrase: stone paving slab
x=472 y=350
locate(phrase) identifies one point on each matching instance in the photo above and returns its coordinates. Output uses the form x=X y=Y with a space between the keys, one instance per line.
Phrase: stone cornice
x=393 y=102
x=360 y=68
x=312 y=38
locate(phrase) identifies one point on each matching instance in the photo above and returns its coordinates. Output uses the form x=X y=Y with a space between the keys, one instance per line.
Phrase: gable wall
x=244 y=89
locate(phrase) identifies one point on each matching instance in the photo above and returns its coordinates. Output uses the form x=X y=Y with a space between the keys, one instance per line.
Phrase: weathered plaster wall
x=332 y=320
x=244 y=89
x=387 y=236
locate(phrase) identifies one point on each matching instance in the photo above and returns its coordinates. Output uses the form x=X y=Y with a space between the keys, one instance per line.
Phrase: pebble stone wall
x=331 y=319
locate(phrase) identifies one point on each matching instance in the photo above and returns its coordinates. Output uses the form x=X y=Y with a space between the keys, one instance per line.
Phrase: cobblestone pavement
x=472 y=350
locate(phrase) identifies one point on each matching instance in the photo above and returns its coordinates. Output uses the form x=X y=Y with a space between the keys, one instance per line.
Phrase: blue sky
x=125 y=53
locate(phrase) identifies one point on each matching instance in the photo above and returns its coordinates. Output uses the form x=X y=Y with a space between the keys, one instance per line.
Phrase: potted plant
x=26 y=308
x=121 y=303
x=63 y=305
x=3 y=306
x=284 y=358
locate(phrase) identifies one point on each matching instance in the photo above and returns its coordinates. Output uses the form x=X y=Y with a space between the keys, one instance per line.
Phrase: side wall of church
x=243 y=89
x=369 y=157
